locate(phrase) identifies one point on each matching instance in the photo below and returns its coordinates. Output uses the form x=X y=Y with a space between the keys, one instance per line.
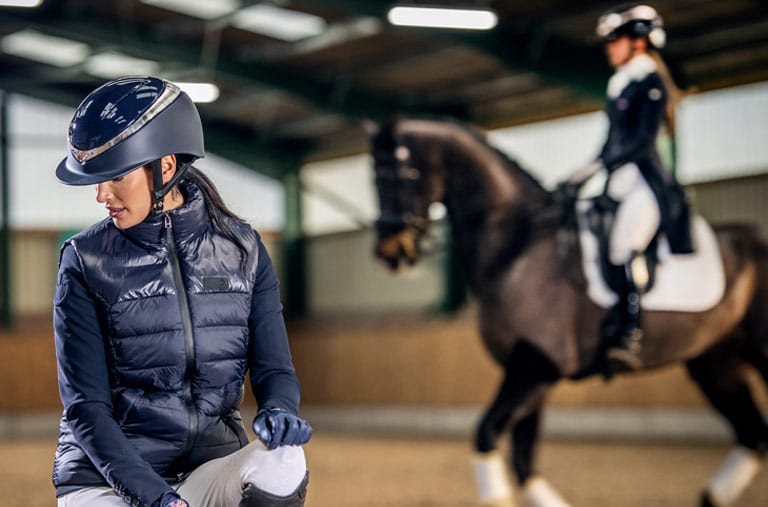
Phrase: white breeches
x=638 y=216
x=220 y=481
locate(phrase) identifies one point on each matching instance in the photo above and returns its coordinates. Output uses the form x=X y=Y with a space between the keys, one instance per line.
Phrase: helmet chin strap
x=159 y=190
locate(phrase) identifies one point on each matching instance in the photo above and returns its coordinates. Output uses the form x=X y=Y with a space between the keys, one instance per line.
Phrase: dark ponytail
x=674 y=93
x=217 y=210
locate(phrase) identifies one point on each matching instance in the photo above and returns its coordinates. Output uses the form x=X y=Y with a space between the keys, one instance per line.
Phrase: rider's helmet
x=635 y=21
x=128 y=123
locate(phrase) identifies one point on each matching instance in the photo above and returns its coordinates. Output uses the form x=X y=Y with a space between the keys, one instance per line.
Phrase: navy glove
x=276 y=427
x=170 y=499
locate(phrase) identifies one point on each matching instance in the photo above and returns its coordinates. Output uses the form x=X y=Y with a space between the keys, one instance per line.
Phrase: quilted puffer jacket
x=155 y=329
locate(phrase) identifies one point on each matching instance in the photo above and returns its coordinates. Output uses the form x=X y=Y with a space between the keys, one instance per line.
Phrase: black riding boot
x=626 y=340
x=254 y=497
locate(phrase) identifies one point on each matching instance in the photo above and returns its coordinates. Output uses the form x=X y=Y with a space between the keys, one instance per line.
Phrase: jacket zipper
x=189 y=339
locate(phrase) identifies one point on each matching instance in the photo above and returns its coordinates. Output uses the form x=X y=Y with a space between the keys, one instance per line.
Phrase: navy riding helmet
x=128 y=123
x=635 y=21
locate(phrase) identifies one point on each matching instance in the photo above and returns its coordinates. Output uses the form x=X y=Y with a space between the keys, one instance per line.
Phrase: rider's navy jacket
x=146 y=397
x=636 y=105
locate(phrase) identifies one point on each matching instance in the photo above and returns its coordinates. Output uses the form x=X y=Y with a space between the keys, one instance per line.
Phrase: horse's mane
x=510 y=164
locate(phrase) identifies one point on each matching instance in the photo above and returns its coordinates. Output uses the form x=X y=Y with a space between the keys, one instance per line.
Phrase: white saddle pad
x=687 y=283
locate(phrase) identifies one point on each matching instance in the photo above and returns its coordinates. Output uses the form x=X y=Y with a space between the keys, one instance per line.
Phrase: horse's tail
x=750 y=241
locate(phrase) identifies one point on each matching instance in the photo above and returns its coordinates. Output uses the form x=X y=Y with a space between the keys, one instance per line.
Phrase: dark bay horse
x=537 y=323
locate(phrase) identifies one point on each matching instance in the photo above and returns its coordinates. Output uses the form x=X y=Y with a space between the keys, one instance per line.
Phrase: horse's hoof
x=539 y=493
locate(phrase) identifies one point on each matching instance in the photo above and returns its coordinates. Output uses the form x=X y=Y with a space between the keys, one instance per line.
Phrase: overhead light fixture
x=111 y=64
x=203 y=9
x=199 y=92
x=436 y=16
x=20 y=3
x=37 y=46
x=278 y=23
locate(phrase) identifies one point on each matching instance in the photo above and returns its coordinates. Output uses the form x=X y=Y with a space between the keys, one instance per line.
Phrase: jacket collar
x=634 y=70
x=188 y=221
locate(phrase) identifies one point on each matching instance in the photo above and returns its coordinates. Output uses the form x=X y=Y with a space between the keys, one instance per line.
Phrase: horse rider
x=641 y=97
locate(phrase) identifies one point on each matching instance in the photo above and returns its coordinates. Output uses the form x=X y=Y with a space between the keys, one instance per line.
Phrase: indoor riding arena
x=395 y=373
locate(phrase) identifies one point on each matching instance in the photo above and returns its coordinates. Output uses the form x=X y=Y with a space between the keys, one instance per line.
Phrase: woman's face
x=620 y=51
x=128 y=199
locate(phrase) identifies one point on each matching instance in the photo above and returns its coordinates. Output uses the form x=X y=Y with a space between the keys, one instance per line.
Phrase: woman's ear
x=168 y=164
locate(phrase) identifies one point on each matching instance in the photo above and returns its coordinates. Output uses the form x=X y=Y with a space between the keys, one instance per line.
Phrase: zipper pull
x=168 y=226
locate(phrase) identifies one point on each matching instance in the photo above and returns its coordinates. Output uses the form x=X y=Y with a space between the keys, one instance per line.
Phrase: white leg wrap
x=493 y=486
x=734 y=475
x=539 y=493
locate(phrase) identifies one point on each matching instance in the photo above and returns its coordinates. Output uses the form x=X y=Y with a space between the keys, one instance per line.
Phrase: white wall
x=38 y=201
x=353 y=199
x=722 y=134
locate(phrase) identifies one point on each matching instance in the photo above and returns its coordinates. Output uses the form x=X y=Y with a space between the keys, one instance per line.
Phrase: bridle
x=399 y=184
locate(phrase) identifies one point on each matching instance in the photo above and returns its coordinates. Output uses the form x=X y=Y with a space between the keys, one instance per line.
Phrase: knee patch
x=255 y=497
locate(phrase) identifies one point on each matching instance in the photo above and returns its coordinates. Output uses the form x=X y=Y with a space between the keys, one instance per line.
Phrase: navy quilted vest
x=176 y=390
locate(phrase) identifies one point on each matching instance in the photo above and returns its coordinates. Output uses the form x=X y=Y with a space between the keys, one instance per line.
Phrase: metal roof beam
x=524 y=44
x=321 y=93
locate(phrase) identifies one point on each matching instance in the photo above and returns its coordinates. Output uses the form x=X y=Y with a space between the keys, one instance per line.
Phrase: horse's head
x=403 y=196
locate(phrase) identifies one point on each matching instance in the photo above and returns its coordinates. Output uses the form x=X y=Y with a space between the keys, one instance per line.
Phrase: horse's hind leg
x=721 y=375
x=528 y=376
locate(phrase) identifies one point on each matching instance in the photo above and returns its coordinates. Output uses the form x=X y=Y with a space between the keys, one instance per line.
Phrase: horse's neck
x=490 y=201
x=486 y=171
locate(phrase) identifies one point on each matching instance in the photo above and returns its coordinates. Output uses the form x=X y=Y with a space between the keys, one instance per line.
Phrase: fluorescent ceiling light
x=111 y=64
x=442 y=17
x=40 y=47
x=204 y=9
x=284 y=24
x=200 y=92
x=20 y=3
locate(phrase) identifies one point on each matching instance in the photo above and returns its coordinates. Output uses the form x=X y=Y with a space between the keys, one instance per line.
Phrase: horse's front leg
x=528 y=376
x=536 y=490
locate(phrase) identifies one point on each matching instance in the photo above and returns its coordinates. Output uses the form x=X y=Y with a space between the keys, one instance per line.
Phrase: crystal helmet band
x=128 y=123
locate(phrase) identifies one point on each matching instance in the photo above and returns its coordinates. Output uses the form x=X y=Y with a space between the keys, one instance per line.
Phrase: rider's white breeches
x=638 y=216
x=220 y=481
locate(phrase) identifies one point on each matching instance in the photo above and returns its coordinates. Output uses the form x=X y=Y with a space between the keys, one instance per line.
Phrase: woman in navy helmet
x=160 y=311
x=641 y=97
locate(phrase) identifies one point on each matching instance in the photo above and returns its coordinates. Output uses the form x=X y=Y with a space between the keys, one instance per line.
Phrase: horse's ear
x=370 y=127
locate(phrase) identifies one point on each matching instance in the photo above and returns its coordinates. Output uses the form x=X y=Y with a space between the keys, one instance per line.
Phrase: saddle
x=675 y=281
x=600 y=218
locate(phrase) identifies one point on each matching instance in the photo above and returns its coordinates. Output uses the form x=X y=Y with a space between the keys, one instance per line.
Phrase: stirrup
x=626 y=356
